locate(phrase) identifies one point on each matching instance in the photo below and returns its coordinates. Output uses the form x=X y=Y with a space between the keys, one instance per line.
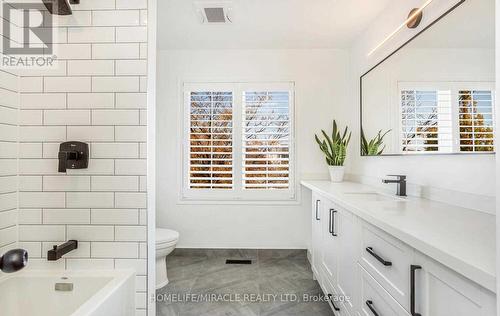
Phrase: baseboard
x=242 y=253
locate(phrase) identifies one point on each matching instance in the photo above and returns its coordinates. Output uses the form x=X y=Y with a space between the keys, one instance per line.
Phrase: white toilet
x=166 y=239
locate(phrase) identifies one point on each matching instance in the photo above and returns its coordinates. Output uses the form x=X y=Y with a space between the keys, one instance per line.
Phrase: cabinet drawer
x=325 y=285
x=322 y=280
x=374 y=300
x=344 y=310
x=338 y=305
x=316 y=233
x=440 y=291
x=388 y=260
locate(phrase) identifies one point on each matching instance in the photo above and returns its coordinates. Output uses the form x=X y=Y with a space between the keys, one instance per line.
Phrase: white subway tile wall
x=96 y=95
x=9 y=120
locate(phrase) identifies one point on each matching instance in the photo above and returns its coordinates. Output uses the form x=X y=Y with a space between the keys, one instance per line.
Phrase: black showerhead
x=13 y=260
x=60 y=7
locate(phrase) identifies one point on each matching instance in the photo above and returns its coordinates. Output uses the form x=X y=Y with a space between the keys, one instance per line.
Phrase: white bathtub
x=95 y=293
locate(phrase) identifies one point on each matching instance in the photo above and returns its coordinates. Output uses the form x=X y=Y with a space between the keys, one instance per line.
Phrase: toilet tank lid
x=165 y=235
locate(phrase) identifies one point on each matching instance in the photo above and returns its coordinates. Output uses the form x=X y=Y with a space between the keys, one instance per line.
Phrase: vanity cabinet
x=388 y=260
x=376 y=274
x=334 y=240
x=317 y=233
x=374 y=299
x=347 y=231
x=442 y=292
x=330 y=255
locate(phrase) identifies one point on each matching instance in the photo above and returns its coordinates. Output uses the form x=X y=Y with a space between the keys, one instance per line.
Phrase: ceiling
x=268 y=24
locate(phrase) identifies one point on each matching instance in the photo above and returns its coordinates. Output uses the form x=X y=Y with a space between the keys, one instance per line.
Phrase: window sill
x=186 y=201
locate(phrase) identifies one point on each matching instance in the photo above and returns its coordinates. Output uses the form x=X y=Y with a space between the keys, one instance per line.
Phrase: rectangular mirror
x=435 y=94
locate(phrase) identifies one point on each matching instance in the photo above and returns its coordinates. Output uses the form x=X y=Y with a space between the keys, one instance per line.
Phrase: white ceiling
x=262 y=24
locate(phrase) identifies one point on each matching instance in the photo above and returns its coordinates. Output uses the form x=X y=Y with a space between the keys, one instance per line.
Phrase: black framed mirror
x=436 y=93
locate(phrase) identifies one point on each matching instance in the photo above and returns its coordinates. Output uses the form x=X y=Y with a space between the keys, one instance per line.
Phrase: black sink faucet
x=58 y=251
x=400 y=180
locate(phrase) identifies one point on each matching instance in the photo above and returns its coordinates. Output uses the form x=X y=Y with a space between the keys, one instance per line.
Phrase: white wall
x=321 y=90
x=9 y=108
x=439 y=176
x=497 y=46
x=97 y=94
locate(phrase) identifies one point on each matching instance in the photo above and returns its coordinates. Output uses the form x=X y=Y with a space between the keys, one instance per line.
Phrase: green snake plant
x=372 y=147
x=335 y=146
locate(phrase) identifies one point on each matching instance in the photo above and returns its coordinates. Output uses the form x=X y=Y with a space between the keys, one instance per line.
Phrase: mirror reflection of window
x=426 y=121
x=446 y=119
x=476 y=121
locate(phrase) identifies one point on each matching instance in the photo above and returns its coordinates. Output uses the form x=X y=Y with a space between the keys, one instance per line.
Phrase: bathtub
x=95 y=293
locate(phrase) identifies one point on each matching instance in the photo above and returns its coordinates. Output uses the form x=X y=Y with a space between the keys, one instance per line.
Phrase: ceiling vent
x=214 y=12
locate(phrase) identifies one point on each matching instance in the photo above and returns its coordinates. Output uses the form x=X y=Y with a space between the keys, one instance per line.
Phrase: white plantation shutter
x=266 y=140
x=476 y=121
x=427 y=121
x=447 y=117
x=211 y=140
x=238 y=142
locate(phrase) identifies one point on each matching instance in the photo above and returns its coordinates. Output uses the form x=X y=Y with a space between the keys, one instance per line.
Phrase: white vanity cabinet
x=382 y=275
x=317 y=233
x=334 y=250
x=330 y=253
x=373 y=299
x=387 y=260
x=442 y=292
x=347 y=231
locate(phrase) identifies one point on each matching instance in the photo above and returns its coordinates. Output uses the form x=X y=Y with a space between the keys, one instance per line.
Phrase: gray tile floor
x=266 y=287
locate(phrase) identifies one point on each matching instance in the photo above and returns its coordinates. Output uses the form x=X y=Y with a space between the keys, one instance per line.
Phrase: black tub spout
x=58 y=251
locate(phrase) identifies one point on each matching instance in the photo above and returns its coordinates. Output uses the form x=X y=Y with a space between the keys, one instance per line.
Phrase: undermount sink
x=372 y=196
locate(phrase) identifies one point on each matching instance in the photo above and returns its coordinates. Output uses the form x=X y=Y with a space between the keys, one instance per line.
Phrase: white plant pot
x=336 y=173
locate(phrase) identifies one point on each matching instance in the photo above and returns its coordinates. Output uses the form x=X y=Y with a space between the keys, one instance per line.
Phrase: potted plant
x=335 y=150
x=372 y=147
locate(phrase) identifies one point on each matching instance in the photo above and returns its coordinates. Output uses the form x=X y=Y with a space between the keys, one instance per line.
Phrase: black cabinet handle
x=330 y=227
x=317 y=208
x=413 y=269
x=372 y=309
x=331 y=301
x=379 y=258
x=335 y=307
x=332 y=222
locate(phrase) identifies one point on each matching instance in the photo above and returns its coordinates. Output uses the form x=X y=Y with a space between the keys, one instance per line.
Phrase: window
x=446 y=117
x=238 y=141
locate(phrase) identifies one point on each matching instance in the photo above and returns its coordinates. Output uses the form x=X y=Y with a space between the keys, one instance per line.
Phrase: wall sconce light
x=414 y=18
x=413 y=21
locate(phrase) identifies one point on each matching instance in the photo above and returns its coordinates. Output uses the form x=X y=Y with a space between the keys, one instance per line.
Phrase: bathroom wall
x=321 y=86
x=461 y=179
x=95 y=94
x=497 y=45
x=9 y=109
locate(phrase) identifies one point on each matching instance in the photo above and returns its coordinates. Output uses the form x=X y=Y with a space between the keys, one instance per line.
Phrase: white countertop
x=460 y=238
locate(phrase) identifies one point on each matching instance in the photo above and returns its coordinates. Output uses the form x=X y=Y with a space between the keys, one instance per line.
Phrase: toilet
x=166 y=240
